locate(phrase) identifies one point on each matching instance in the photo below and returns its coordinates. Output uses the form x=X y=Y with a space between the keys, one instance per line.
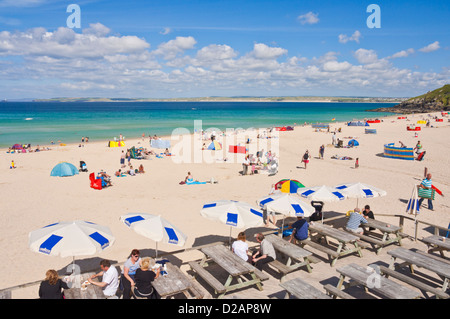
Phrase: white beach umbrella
x=286 y=204
x=154 y=227
x=76 y=238
x=233 y=213
x=321 y=193
x=360 y=190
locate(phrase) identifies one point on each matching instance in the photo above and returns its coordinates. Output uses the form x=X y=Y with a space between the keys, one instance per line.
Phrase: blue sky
x=169 y=48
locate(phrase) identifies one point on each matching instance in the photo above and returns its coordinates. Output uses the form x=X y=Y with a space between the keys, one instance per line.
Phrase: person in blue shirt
x=354 y=222
x=427 y=184
x=300 y=229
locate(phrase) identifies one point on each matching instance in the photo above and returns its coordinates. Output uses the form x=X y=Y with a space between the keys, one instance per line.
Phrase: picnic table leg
x=307 y=264
x=358 y=249
x=333 y=262
x=341 y=281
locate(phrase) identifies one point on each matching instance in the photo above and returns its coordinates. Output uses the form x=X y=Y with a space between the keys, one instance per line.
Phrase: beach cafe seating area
x=391 y=271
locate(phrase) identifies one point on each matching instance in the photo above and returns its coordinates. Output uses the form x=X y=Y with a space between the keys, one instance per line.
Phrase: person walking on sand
x=305 y=158
x=427 y=184
x=122 y=159
x=321 y=151
x=357 y=162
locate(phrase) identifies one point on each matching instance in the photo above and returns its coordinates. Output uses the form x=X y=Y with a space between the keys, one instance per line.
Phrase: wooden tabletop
x=384 y=227
x=229 y=261
x=91 y=291
x=437 y=240
x=439 y=267
x=302 y=290
x=173 y=283
x=288 y=248
x=380 y=284
x=338 y=234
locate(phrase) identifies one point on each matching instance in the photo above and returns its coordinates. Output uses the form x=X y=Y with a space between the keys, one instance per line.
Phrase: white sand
x=32 y=199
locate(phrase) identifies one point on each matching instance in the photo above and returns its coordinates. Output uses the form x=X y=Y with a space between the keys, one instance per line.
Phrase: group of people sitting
x=130 y=171
x=134 y=281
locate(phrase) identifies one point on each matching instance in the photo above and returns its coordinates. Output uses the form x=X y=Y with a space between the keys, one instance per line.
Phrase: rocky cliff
x=433 y=101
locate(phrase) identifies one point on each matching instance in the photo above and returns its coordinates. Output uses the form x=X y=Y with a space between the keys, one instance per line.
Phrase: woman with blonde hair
x=52 y=287
x=143 y=279
x=240 y=247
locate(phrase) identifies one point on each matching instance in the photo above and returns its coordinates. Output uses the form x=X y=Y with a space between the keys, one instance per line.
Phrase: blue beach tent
x=353 y=142
x=64 y=169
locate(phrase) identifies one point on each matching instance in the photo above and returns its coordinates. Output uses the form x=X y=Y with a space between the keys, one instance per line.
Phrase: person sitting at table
x=52 y=287
x=110 y=279
x=299 y=229
x=266 y=252
x=354 y=222
x=240 y=247
x=129 y=271
x=143 y=279
x=368 y=214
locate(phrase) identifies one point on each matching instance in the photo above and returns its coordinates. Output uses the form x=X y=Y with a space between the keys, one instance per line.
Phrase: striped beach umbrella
x=233 y=213
x=154 y=227
x=286 y=204
x=289 y=186
x=360 y=190
x=76 y=238
x=322 y=193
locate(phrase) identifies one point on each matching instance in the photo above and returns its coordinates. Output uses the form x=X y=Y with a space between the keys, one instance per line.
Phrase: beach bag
x=426 y=193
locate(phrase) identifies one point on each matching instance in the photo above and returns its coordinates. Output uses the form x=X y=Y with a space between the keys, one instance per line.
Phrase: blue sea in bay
x=43 y=122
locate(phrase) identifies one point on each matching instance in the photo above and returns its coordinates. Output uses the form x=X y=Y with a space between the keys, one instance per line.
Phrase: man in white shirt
x=110 y=279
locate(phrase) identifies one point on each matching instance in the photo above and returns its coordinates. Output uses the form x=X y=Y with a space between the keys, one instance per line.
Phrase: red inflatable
x=417 y=128
x=96 y=183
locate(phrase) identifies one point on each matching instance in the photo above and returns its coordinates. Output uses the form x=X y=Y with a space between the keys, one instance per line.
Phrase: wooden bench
x=213 y=282
x=320 y=247
x=373 y=281
x=282 y=268
x=413 y=282
x=432 y=256
x=334 y=292
x=373 y=241
x=302 y=290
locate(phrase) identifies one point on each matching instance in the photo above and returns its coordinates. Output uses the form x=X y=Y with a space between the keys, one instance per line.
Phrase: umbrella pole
x=156 y=256
x=229 y=239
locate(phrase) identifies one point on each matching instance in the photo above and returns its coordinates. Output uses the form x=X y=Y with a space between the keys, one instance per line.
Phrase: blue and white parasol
x=154 y=227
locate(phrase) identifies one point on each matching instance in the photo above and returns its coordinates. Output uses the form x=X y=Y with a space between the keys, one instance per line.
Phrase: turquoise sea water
x=42 y=122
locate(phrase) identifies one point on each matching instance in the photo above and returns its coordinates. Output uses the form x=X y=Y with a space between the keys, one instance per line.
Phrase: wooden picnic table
x=236 y=268
x=411 y=258
x=371 y=280
x=437 y=243
x=302 y=290
x=296 y=256
x=344 y=239
x=390 y=234
x=76 y=292
x=175 y=282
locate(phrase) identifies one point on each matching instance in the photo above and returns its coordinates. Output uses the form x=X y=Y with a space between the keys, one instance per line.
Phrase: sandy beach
x=33 y=199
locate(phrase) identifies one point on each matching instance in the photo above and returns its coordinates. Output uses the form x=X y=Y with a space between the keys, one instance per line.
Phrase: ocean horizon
x=39 y=123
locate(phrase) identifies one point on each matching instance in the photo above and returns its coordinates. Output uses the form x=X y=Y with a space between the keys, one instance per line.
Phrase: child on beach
x=12 y=165
x=357 y=163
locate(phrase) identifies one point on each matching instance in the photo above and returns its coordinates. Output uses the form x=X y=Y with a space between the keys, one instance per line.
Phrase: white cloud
x=431 y=47
x=402 y=54
x=169 y=50
x=308 y=18
x=65 y=43
x=262 y=51
x=97 y=29
x=343 y=38
x=166 y=31
x=366 y=56
x=334 y=66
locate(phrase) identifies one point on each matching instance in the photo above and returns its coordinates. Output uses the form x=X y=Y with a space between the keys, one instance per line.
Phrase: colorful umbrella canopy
x=154 y=227
x=289 y=186
x=64 y=169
